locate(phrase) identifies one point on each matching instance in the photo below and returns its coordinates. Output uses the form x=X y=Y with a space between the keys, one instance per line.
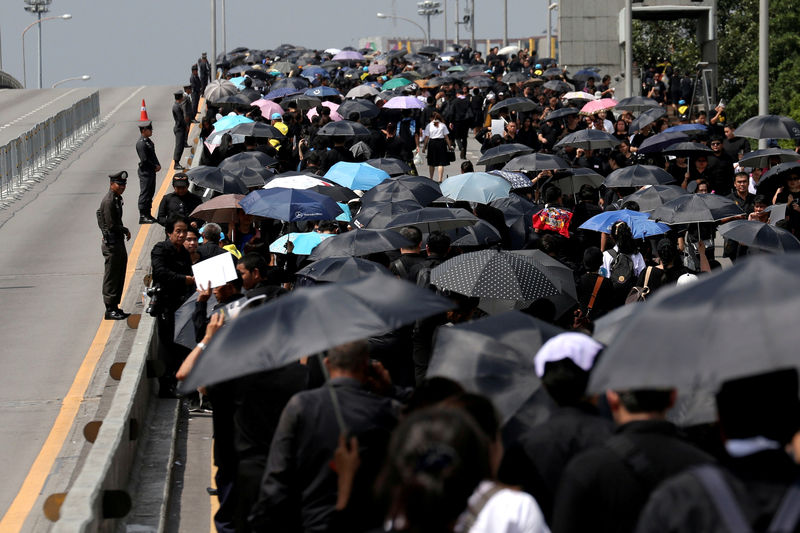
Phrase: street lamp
x=38 y=22
x=427 y=9
x=550 y=9
x=74 y=78
x=385 y=16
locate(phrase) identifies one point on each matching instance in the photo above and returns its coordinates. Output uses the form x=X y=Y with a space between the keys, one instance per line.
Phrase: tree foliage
x=658 y=41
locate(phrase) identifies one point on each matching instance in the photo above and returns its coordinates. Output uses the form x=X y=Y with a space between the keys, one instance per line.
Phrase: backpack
x=406 y=129
x=621 y=270
x=716 y=486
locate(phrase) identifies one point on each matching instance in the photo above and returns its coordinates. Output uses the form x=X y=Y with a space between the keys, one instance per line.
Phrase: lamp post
x=213 y=39
x=38 y=22
x=385 y=16
x=427 y=9
x=73 y=78
x=550 y=9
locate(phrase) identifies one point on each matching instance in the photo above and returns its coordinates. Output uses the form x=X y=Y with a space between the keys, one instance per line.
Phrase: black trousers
x=116 y=261
x=180 y=142
x=147 y=189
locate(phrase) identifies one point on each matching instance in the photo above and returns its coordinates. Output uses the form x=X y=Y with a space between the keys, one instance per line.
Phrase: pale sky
x=154 y=42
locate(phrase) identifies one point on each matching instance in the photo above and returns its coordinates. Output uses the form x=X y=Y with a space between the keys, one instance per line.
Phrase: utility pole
x=763 y=62
x=427 y=9
x=38 y=7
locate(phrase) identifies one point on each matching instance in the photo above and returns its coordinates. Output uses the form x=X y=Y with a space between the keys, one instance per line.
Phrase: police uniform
x=179 y=129
x=187 y=112
x=148 y=163
x=109 y=219
x=175 y=204
x=197 y=90
x=205 y=70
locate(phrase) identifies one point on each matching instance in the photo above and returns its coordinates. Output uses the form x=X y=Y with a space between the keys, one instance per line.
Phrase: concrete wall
x=588 y=34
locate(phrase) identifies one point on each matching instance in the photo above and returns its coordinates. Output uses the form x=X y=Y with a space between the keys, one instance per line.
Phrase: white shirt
x=434 y=132
x=638 y=263
x=508 y=511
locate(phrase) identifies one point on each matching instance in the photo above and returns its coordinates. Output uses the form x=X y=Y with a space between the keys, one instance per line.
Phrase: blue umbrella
x=322 y=92
x=346 y=215
x=226 y=123
x=665 y=139
x=480 y=187
x=238 y=81
x=312 y=72
x=606 y=219
x=645 y=227
x=283 y=91
x=303 y=242
x=686 y=127
x=356 y=176
x=290 y=205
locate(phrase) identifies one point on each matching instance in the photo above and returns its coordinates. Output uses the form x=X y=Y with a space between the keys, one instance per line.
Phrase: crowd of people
x=430 y=454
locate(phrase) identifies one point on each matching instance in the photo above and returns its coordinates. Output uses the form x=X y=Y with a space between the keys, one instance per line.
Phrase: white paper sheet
x=217 y=270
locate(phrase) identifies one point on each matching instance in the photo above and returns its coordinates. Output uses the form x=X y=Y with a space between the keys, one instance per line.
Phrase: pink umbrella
x=335 y=116
x=377 y=68
x=604 y=104
x=404 y=102
x=268 y=107
x=348 y=55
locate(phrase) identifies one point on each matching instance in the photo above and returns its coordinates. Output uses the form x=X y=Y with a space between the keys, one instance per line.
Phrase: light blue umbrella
x=238 y=81
x=645 y=227
x=480 y=187
x=606 y=219
x=303 y=242
x=356 y=176
x=226 y=123
x=346 y=215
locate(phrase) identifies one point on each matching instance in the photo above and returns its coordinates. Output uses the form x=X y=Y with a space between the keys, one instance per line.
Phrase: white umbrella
x=295 y=182
x=508 y=50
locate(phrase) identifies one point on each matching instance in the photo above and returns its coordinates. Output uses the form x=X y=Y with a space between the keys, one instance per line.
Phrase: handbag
x=451 y=155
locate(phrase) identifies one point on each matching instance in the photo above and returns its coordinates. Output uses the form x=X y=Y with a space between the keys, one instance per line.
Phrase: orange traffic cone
x=143 y=116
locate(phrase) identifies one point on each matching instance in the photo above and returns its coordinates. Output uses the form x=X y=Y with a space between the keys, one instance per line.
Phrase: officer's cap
x=178 y=94
x=180 y=179
x=120 y=177
x=146 y=125
x=204 y=54
x=194 y=67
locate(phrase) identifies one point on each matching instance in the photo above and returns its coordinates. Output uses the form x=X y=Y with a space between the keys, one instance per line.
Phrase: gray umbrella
x=430 y=219
x=589 y=140
x=338 y=269
x=557 y=86
x=364 y=108
x=647 y=117
x=308 y=321
x=654 y=196
x=769 y=127
x=759 y=235
x=480 y=234
x=359 y=242
x=517 y=103
x=493 y=274
x=761 y=158
x=699 y=335
x=184 y=334
x=503 y=153
x=536 y=162
x=342 y=128
x=638 y=175
x=636 y=104
x=696 y=208
x=217 y=89
x=377 y=216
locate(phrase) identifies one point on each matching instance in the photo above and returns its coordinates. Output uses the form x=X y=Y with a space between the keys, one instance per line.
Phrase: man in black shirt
x=181 y=202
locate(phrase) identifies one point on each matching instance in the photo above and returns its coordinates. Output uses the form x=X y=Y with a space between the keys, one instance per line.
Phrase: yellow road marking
x=20 y=508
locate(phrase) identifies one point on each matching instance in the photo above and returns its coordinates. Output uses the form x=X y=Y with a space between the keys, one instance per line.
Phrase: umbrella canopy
x=362 y=91
x=360 y=242
x=480 y=187
x=572 y=180
x=661 y=141
x=236 y=99
x=688 y=129
x=596 y=106
x=390 y=165
x=356 y=176
x=303 y=243
x=217 y=89
x=479 y=81
x=335 y=116
x=563 y=112
x=759 y=235
x=321 y=91
x=503 y=153
x=709 y=349
x=516 y=103
x=589 y=140
x=339 y=269
x=578 y=95
x=653 y=196
x=762 y=158
x=404 y=102
x=636 y=104
x=480 y=234
x=552 y=72
x=267 y=107
x=250 y=176
x=253 y=159
x=607 y=326
x=348 y=55
x=184 y=334
x=493 y=274
x=397 y=190
x=696 y=208
x=298 y=84
x=603 y=221
x=584 y=74
x=258 y=130
x=337 y=192
x=638 y=175
x=557 y=86
x=280 y=332
x=395 y=83
x=518 y=180
x=492 y=356
x=778 y=170
x=687 y=149
x=216 y=179
x=295 y=182
x=536 y=162
x=518 y=214
x=342 y=128
x=508 y=50
x=648 y=116
x=430 y=219
x=364 y=108
x=302 y=101
x=377 y=216
x=228 y=122
x=223 y=208
x=769 y=127
x=283 y=92
x=290 y=205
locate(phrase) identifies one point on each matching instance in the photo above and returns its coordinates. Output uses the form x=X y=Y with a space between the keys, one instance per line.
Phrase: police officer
x=181 y=202
x=197 y=90
x=205 y=70
x=148 y=166
x=179 y=129
x=109 y=218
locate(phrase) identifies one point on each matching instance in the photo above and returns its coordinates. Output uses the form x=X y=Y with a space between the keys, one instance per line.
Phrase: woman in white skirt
x=437 y=144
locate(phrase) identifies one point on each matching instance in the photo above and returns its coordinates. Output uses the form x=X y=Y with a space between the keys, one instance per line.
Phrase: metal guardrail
x=25 y=155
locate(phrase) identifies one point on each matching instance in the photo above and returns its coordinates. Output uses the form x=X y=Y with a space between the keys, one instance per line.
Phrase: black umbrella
x=552 y=72
x=185 y=334
x=493 y=274
x=515 y=77
x=359 y=242
x=562 y=112
x=557 y=86
x=589 y=140
x=762 y=158
x=342 y=128
x=698 y=208
x=377 y=216
x=430 y=50
x=398 y=190
x=290 y=83
x=364 y=108
x=518 y=214
x=769 y=127
x=779 y=170
x=430 y=219
x=654 y=196
x=493 y=356
x=217 y=180
x=536 y=162
x=759 y=235
x=687 y=149
x=479 y=234
x=259 y=130
x=438 y=81
x=390 y=165
x=250 y=176
x=517 y=103
x=302 y=101
x=311 y=320
x=235 y=99
x=253 y=159
x=503 y=153
x=337 y=192
x=572 y=180
x=339 y=269
x=607 y=326
x=638 y=175
x=636 y=104
x=725 y=333
x=647 y=117
x=661 y=141
x=482 y=82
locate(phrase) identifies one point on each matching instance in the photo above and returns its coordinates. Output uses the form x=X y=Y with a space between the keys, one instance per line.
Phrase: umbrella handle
x=337 y=408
